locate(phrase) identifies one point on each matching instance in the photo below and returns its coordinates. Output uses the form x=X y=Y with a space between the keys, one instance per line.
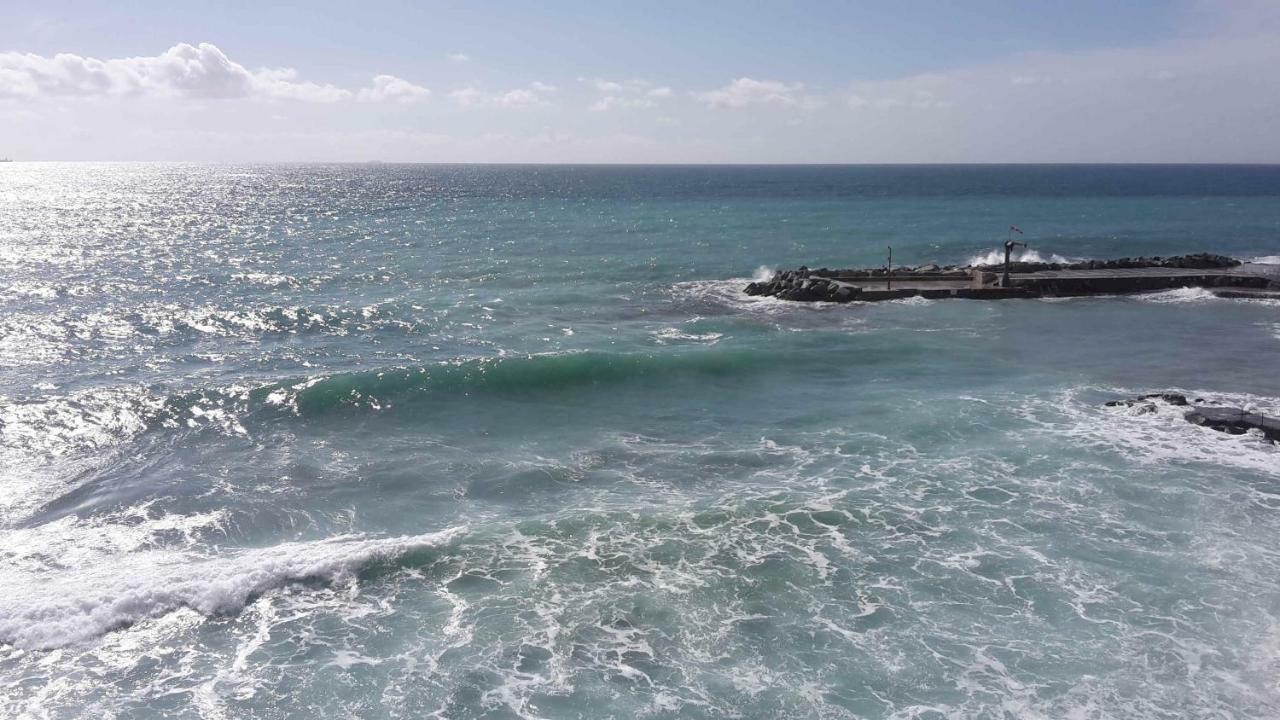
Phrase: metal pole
x=888 y=280
x=1008 y=248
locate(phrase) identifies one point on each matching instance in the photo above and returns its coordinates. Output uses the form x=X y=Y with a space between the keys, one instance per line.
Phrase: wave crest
x=95 y=420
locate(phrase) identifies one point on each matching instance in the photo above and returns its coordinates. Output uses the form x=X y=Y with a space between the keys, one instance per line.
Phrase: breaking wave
x=1199 y=295
x=56 y=608
x=996 y=257
x=1186 y=295
x=93 y=420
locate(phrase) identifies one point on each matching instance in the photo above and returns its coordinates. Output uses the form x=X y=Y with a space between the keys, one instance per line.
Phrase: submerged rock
x=1233 y=420
x=1236 y=421
x=1169 y=397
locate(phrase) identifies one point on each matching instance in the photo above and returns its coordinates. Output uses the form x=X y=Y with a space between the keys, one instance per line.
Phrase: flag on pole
x=1016 y=229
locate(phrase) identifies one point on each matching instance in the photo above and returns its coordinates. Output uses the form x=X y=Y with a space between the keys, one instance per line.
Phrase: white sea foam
x=1200 y=296
x=729 y=295
x=75 y=542
x=914 y=300
x=667 y=336
x=1156 y=432
x=1186 y=295
x=1266 y=260
x=58 y=607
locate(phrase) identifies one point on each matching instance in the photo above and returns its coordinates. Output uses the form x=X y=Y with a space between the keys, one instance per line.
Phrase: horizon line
x=8 y=161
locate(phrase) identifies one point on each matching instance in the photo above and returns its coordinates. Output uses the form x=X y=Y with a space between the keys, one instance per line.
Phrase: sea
x=456 y=441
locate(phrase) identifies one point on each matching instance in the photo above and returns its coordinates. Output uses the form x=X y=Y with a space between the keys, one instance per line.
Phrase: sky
x=919 y=81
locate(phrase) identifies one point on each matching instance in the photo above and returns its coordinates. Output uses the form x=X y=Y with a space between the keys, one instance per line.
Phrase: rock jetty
x=1025 y=279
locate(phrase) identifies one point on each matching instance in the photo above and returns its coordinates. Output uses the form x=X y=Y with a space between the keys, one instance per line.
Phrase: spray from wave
x=996 y=257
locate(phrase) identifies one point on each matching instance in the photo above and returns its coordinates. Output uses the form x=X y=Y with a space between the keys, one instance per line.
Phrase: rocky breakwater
x=1194 y=261
x=980 y=281
x=805 y=285
x=827 y=285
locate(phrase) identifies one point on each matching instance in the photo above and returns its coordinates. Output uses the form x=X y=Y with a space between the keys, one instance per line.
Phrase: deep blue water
x=487 y=441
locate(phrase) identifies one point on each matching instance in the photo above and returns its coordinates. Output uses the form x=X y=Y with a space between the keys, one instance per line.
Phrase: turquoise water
x=434 y=441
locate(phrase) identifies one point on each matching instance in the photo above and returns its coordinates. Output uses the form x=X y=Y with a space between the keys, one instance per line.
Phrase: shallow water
x=501 y=442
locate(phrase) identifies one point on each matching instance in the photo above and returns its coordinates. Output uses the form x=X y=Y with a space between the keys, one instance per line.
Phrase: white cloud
x=530 y=96
x=614 y=102
x=1020 y=79
x=1207 y=93
x=458 y=57
x=632 y=94
x=389 y=88
x=283 y=84
x=194 y=71
x=1208 y=97
x=517 y=98
x=745 y=91
x=629 y=87
x=468 y=97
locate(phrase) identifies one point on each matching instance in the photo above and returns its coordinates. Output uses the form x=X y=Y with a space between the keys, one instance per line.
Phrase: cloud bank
x=744 y=92
x=632 y=94
x=1208 y=92
x=389 y=88
x=183 y=71
x=534 y=94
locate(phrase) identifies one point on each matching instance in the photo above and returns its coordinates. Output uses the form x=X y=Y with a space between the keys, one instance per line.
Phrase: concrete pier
x=1221 y=275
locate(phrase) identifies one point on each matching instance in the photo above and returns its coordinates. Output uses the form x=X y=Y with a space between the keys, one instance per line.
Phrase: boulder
x=1172 y=398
